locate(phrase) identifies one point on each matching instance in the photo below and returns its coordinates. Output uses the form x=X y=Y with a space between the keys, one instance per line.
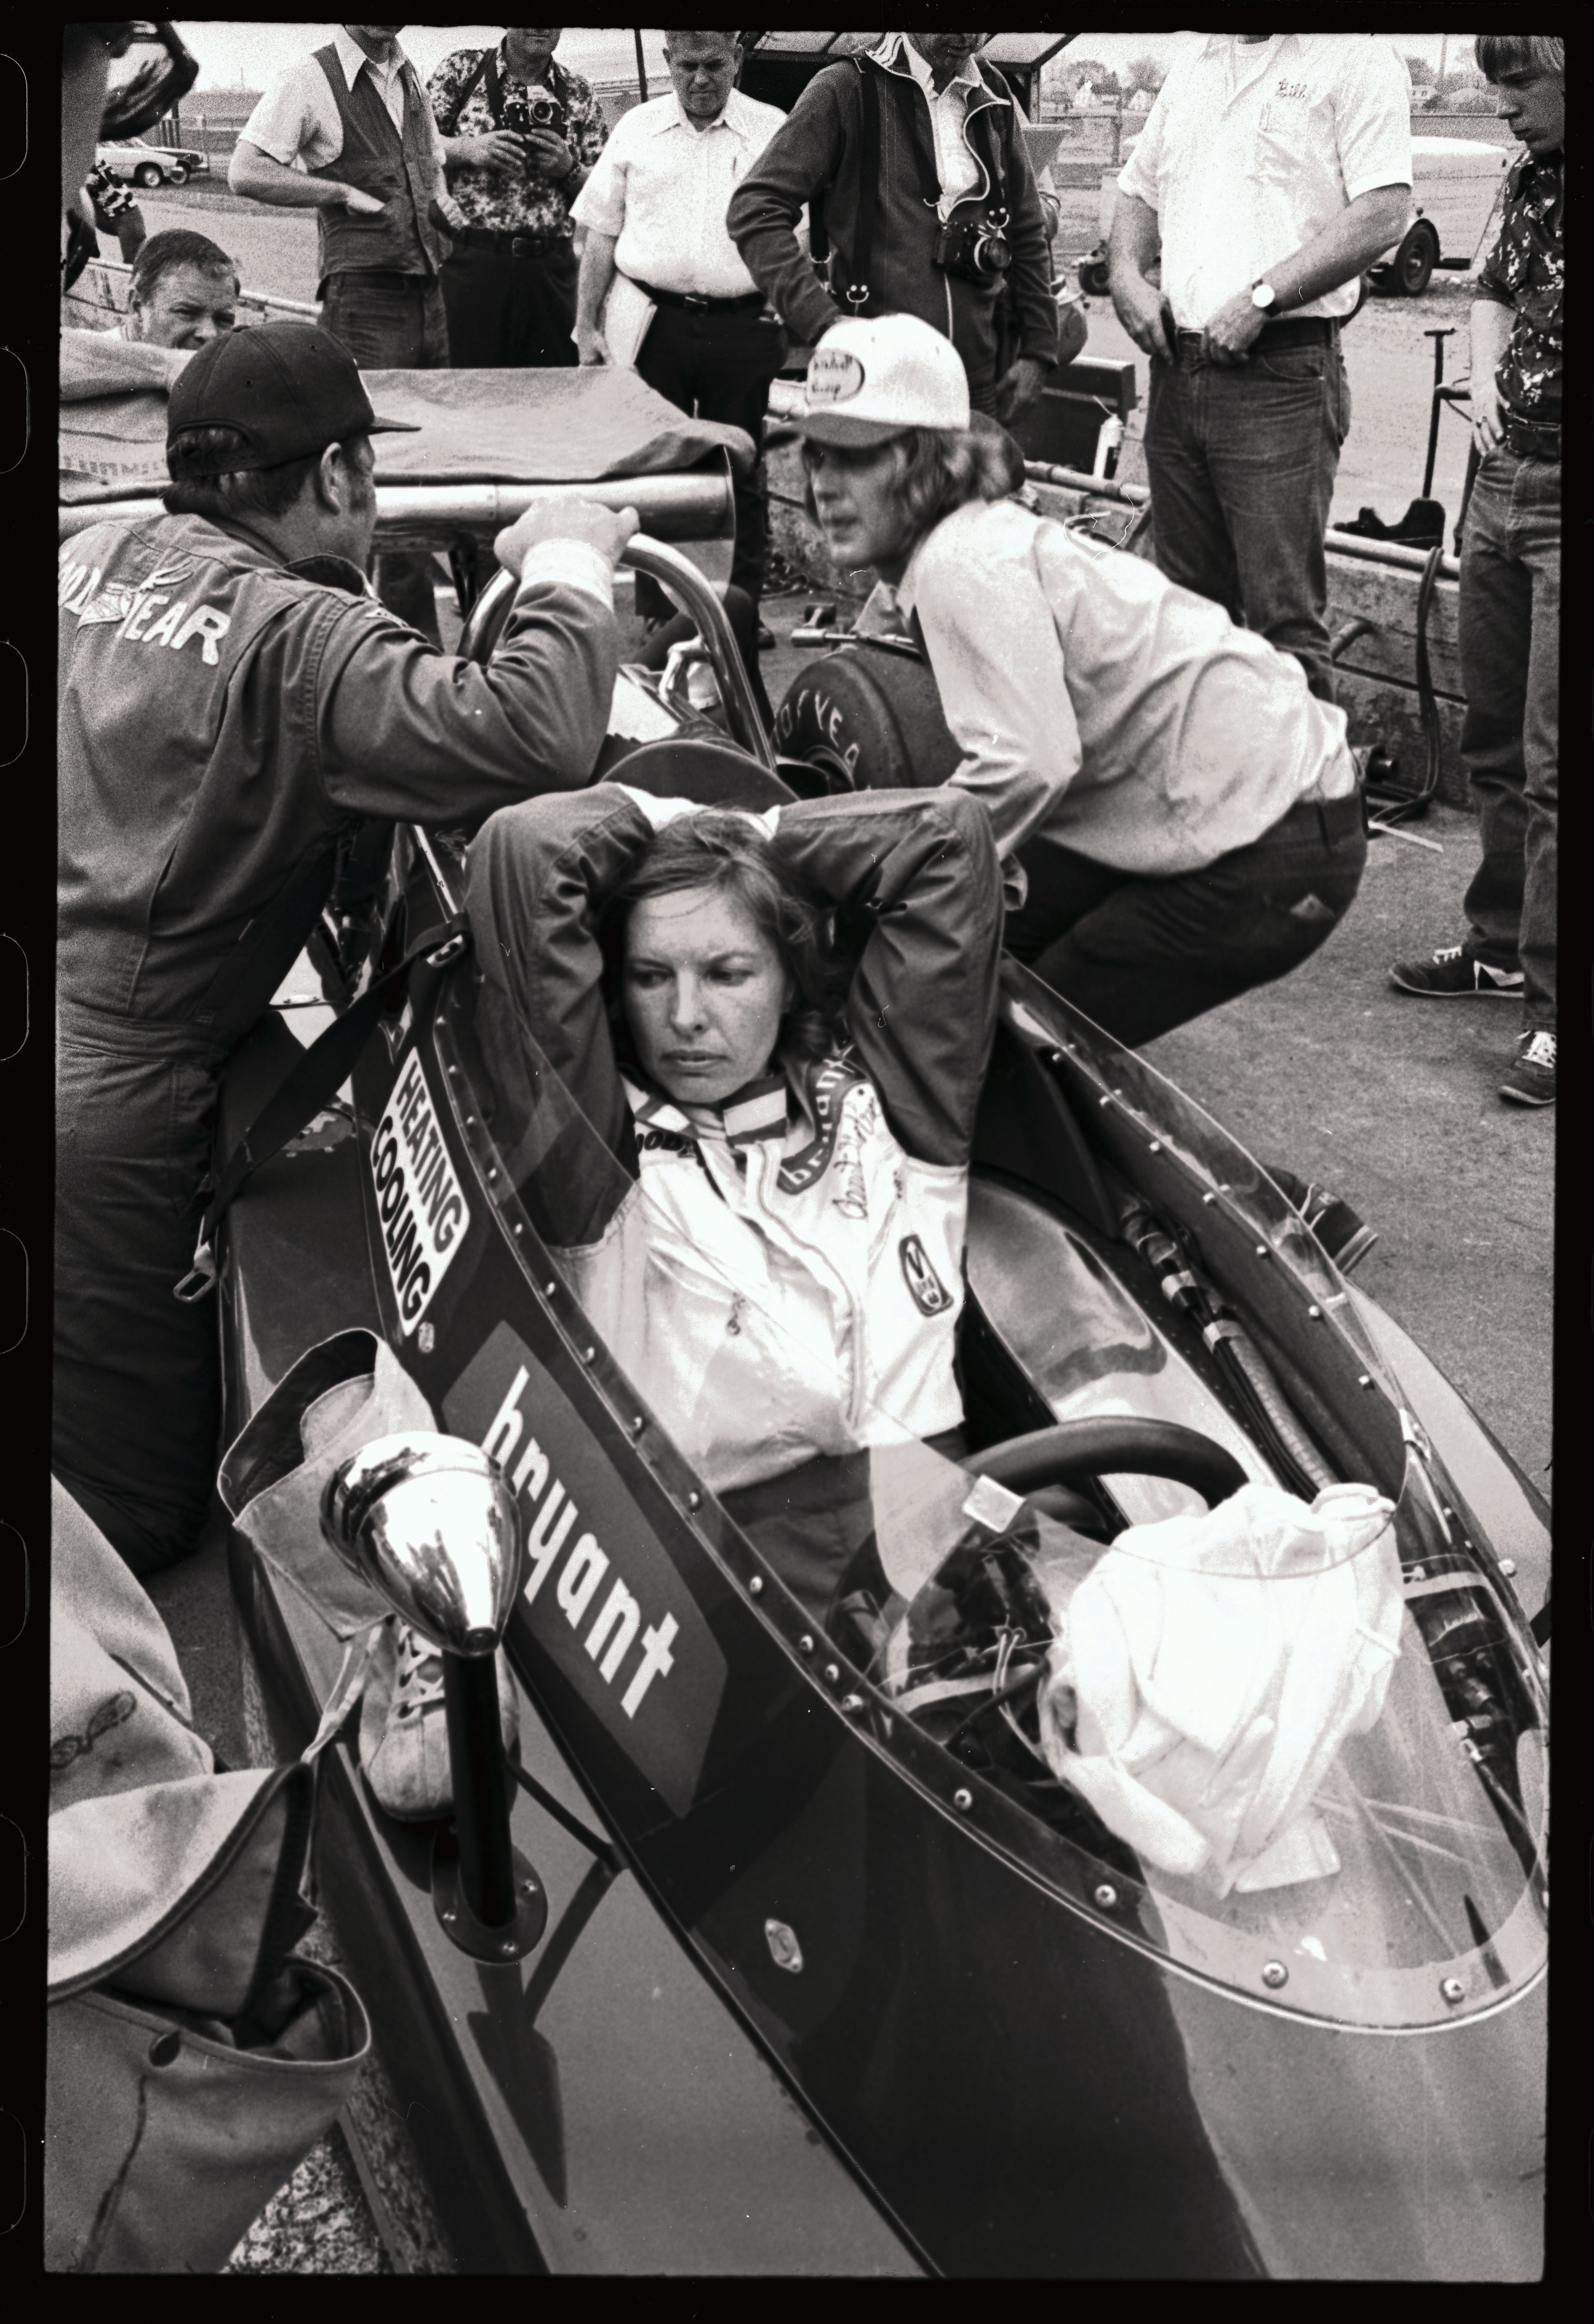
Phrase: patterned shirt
x=516 y=201
x=1526 y=271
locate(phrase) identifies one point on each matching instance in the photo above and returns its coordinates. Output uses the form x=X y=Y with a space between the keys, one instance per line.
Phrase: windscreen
x=1296 y=1747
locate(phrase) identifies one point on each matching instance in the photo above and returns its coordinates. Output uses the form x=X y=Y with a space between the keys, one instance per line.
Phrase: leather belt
x=1532 y=439
x=1289 y=331
x=689 y=298
x=511 y=244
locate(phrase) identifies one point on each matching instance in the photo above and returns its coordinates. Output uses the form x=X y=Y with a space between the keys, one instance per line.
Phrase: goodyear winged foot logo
x=424 y=1215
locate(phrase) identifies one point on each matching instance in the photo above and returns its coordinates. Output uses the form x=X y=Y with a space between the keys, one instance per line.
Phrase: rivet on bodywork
x=1274 y=1975
x=1452 y=1990
x=963 y=1800
x=806 y=1644
x=784 y=1949
x=589 y=1355
x=1106 y=1896
x=1507 y=1565
x=1316 y=1314
x=548 y=1289
x=638 y=1424
x=694 y=1500
x=1156 y=1146
x=1104 y=1101
x=756 y=1586
x=831 y=1674
x=1364 y=1379
x=852 y=1703
x=1261 y=1250
x=520 y=1228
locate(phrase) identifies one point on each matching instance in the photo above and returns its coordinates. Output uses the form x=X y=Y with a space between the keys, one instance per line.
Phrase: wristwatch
x=1263 y=296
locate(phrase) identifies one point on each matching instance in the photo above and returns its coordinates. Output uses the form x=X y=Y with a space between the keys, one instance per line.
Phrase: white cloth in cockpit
x=1218 y=1662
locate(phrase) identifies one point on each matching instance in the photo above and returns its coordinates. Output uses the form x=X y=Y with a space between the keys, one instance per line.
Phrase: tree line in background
x=1085 y=81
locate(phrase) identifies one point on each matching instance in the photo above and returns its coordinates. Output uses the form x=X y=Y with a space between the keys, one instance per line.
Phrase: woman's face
x=858 y=503
x=705 y=991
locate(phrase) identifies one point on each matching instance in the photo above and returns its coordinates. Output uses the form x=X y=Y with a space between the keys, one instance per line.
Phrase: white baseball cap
x=870 y=380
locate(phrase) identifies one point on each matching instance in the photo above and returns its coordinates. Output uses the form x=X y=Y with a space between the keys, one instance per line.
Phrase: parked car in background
x=1456 y=182
x=139 y=163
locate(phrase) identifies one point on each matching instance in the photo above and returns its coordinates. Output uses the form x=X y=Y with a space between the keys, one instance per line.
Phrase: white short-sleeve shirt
x=662 y=187
x=1251 y=149
x=297 y=119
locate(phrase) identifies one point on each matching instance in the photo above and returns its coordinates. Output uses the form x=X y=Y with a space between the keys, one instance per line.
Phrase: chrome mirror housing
x=431 y=1523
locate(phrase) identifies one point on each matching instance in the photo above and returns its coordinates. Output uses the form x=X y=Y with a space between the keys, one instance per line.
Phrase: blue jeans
x=1241 y=462
x=1140 y=956
x=1509 y=628
x=394 y=322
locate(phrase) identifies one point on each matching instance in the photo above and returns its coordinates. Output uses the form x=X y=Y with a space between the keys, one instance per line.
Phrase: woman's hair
x=943 y=467
x=1498 y=53
x=725 y=854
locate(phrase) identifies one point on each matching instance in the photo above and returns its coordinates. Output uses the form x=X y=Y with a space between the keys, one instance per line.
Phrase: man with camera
x=912 y=155
x=519 y=137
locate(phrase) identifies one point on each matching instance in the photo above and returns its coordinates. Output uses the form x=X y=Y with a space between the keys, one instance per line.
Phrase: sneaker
x=404 y=1728
x=1532 y=1078
x=1452 y=974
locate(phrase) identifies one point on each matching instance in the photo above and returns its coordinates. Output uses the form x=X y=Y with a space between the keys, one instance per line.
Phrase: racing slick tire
x=869 y=718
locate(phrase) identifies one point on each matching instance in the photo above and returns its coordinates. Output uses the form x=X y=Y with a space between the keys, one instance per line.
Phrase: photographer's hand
x=549 y=155
x=1019 y=389
x=497 y=149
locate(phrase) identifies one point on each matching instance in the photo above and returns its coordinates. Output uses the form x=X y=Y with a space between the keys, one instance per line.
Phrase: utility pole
x=1443 y=53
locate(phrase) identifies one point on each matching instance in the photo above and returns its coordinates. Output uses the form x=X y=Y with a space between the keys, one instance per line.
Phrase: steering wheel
x=1111 y=1444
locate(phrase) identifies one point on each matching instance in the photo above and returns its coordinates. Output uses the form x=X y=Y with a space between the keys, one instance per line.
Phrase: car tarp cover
x=476 y=427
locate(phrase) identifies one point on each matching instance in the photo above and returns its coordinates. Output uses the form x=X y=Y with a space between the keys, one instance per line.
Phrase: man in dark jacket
x=227 y=712
x=951 y=151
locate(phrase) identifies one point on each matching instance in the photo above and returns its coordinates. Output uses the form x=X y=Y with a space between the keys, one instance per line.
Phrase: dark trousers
x=1241 y=462
x=1140 y=956
x=510 y=313
x=719 y=366
x=1508 y=621
x=137 y=1402
x=394 y=322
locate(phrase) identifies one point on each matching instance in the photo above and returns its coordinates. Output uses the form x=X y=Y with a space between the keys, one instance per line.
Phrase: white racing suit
x=792 y=1293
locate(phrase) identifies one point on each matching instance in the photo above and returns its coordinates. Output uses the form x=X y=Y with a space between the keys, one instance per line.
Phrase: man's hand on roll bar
x=605 y=529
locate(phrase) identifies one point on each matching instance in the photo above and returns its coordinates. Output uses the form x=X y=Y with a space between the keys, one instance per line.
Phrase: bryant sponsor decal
x=605 y=1599
x=422 y=1212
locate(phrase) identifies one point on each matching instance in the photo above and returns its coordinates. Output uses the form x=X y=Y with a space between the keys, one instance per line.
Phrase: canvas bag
x=168 y=2129
x=162 y=2145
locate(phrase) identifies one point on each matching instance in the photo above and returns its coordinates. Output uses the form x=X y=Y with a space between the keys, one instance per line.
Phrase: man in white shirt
x=348 y=133
x=1272 y=169
x=654 y=210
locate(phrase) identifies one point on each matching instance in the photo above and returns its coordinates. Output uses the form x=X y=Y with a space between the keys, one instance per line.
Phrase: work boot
x=1531 y=1080
x=1453 y=974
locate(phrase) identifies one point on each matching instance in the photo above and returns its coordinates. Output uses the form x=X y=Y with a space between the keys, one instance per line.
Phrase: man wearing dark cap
x=232 y=703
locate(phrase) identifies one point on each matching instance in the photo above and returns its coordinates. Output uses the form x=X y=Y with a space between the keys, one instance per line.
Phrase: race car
x=831 y=1970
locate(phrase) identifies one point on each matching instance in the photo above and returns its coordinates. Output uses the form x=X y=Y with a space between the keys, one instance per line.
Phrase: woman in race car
x=777 y=1027
x=1186 y=811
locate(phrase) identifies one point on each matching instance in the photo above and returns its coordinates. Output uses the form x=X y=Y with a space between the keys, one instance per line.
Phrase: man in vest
x=348 y=133
x=231 y=703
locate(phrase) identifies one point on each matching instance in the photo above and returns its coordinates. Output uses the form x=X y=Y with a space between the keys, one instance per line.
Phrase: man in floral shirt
x=519 y=137
x=1509 y=613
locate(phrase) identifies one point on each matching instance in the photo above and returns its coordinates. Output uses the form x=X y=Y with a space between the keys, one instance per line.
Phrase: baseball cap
x=289 y=389
x=870 y=380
